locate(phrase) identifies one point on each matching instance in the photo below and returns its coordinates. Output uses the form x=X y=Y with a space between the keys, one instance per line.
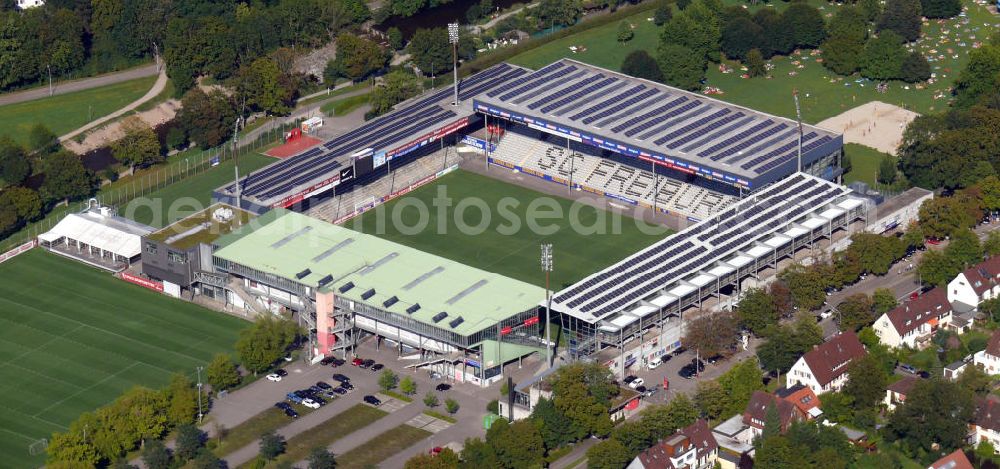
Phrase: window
x=151 y=248
x=177 y=257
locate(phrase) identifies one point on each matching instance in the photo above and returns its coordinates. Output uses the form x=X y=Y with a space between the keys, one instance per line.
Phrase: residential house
x=735 y=440
x=955 y=460
x=824 y=368
x=25 y=4
x=913 y=323
x=803 y=398
x=895 y=393
x=953 y=370
x=755 y=415
x=976 y=284
x=986 y=422
x=989 y=358
x=692 y=447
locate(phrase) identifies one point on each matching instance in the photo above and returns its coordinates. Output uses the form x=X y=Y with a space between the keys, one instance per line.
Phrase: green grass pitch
x=516 y=255
x=72 y=338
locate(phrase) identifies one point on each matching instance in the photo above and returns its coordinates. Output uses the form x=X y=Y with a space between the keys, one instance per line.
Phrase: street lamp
x=547 y=268
x=200 y=414
x=453 y=39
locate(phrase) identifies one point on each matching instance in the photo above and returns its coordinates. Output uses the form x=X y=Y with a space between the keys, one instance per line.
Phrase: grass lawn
x=381 y=447
x=344 y=106
x=822 y=93
x=328 y=432
x=190 y=195
x=63 y=113
x=514 y=255
x=73 y=338
x=250 y=430
x=864 y=163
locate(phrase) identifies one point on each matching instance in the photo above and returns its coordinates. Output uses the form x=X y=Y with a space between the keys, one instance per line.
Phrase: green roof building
x=359 y=284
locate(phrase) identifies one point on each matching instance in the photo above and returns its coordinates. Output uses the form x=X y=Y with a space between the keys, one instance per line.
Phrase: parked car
x=331 y=395
x=377 y=367
x=924 y=374
x=282 y=405
x=628 y=379
x=442 y=387
x=281 y=372
x=337 y=362
x=293 y=397
x=340 y=390
x=691 y=369
x=273 y=377
x=714 y=359
x=291 y=413
x=933 y=241
x=908 y=368
x=653 y=390
x=340 y=377
x=315 y=389
x=368 y=363
x=641 y=389
x=357 y=362
x=678 y=351
x=434 y=375
x=635 y=383
x=327 y=360
x=310 y=403
x=373 y=400
x=323 y=385
x=347 y=385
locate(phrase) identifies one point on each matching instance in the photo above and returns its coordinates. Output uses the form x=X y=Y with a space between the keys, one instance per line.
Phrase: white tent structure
x=97 y=237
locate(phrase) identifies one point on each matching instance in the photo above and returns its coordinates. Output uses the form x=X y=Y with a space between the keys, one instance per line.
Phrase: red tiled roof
x=993 y=346
x=698 y=434
x=911 y=314
x=984 y=275
x=902 y=386
x=988 y=413
x=701 y=436
x=755 y=414
x=829 y=360
x=802 y=397
x=956 y=460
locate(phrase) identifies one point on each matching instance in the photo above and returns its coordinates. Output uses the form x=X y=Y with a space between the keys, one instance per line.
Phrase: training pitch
x=513 y=253
x=73 y=338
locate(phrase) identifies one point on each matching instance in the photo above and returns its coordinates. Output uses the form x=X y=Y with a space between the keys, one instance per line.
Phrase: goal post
x=38 y=447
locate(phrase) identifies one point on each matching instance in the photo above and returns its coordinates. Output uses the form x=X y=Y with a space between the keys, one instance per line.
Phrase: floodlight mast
x=453 y=39
x=547 y=268
x=798 y=118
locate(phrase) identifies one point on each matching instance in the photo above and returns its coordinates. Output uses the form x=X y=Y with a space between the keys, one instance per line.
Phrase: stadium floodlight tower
x=453 y=39
x=547 y=268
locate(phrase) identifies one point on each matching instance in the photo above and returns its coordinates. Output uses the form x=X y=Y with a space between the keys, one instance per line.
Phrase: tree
x=866 y=382
x=582 y=392
x=608 y=454
x=189 y=441
x=14 y=164
x=65 y=178
x=757 y=311
x=883 y=300
x=772 y=422
x=883 y=56
x=848 y=23
x=451 y=405
x=807 y=286
x=205 y=459
x=914 y=68
x=478 y=453
x=474 y=13
x=139 y=146
x=321 y=458
x=271 y=445
x=756 y=67
x=625 y=32
x=664 y=11
x=222 y=373
x=207 y=119
x=712 y=333
x=964 y=248
x=555 y=428
x=388 y=380
x=936 y=412
x=739 y=36
x=517 y=444
x=855 y=312
x=739 y=383
x=941 y=216
x=395 y=37
x=395 y=88
x=446 y=459
x=558 y=12
x=430 y=50
x=26 y=203
x=430 y=399
x=710 y=399
x=263 y=87
x=974 y=379
x=842 y=55
x=640 y=64
x=937 y=268
x=408 y=386
x=871 y=9
x=978 y=78
x=698 y=38
x=903 y=17
x=778 y=38
x=155 y=455
x=42 y=140
x=940 y=8
x=991 y=246
x=807 y=26
x=358 y=57
x=785 y=344
x=181 y=397
x=265 y=342
x=886 y=173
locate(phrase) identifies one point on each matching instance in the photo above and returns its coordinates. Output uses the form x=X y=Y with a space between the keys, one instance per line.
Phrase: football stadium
x=752 y=193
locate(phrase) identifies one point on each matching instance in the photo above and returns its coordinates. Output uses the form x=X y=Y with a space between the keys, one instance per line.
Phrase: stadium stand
x=610 y=177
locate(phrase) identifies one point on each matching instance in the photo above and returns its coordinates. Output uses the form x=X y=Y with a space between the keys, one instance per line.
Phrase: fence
x=121 y=192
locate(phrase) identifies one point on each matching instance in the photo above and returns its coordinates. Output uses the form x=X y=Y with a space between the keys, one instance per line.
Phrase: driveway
x=64 y=87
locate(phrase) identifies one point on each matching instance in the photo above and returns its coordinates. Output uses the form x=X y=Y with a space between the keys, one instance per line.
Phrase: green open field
x=823 y=94
x=73 y=338
x=864 y=163
x=515 y=253
x=381 y=447
x=63 y=113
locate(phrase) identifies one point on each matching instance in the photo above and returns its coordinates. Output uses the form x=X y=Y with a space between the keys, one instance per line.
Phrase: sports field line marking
x=40 y=346
x=533 y=242
x=20 y=435
x=43 y=375
x=81 y=391
x=198 y=360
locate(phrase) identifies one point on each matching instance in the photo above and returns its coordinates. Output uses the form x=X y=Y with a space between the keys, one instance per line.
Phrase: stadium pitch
x=584 y=238
x=73 y=338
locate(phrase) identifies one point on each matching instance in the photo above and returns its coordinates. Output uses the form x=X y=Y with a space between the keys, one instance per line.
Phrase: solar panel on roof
x=303 y=274
x=325 y=280
x=346 y=287
x=439 y=316
x=413 y=308
x=391 y=301
x=368 y=294
x=455 y=322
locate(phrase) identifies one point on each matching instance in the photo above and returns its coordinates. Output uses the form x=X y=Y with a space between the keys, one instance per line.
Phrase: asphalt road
x=64 y=87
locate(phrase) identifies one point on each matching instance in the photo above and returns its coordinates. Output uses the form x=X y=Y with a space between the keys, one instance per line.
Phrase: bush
x=493 y=406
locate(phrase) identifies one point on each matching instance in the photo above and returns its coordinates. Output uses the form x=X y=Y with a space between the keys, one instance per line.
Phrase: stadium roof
x=648 y=120
x=380 y=273
x=413 y=124
x=665 y=272
x=200 y=227
x=100 y=229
